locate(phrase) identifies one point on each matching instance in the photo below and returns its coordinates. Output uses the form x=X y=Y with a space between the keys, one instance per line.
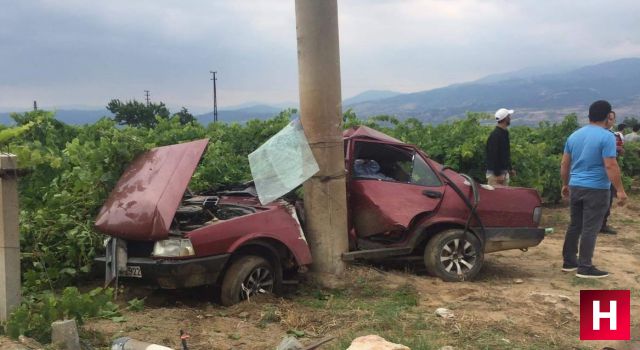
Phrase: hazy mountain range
x=535 y=93
x=534 y=96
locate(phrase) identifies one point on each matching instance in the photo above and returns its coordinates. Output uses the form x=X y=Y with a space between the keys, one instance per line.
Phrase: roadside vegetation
x=71 y=170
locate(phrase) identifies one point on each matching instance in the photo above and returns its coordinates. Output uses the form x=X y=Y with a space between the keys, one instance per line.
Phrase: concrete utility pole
x=9 y=238
x=325 y=199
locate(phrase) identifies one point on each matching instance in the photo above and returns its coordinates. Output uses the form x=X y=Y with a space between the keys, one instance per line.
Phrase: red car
x=166 y=235
x=402 y=205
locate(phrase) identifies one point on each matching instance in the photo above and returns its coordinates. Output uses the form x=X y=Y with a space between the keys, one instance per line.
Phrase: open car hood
x=145 y=199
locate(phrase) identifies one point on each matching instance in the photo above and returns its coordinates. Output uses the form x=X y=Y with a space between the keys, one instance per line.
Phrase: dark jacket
x=498 y=151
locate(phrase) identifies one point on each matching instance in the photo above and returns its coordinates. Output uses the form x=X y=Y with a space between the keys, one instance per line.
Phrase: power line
x=215 y=100
x=146 y=93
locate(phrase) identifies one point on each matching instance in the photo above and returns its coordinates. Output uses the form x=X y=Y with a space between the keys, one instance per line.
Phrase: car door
x=389 y=184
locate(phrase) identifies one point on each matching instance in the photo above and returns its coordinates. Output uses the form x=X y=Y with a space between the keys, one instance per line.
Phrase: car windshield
x=282 y=163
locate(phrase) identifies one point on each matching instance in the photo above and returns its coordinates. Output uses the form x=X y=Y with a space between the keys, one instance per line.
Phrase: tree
x=184 y=116
x=630 y=122
x=135 y=113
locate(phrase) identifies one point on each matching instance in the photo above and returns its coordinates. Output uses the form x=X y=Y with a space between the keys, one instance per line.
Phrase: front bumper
x=173 y=274
x=505 y=238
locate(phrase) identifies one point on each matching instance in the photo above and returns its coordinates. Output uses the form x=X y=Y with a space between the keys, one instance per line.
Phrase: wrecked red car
x=401 y=206
x=162 y=233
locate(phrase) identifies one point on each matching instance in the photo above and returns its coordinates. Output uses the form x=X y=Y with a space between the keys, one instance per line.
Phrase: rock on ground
x=374 y=342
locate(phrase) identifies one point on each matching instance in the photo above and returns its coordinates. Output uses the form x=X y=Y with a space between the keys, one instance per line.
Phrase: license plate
x=132 y=271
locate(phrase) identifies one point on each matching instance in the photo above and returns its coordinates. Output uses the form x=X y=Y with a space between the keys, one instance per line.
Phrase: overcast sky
x=78 y=52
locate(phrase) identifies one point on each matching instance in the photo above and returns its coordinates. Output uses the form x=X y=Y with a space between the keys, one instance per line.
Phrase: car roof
x=365 y=132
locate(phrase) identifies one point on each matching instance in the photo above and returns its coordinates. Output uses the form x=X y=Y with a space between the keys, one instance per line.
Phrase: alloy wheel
x=458 y=256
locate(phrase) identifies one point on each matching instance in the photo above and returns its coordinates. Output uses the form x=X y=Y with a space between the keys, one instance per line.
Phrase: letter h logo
x=605 y=315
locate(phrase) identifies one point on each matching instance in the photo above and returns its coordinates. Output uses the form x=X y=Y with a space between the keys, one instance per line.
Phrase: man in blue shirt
x=588 y=168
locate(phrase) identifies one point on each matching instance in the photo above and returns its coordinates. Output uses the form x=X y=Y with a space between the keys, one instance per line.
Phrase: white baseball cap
x=503 y=113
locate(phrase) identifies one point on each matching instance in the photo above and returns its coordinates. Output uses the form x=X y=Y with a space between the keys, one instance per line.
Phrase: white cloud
x=78 y=51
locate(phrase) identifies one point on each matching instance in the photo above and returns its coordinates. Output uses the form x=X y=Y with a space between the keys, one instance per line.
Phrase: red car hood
x=145 y=199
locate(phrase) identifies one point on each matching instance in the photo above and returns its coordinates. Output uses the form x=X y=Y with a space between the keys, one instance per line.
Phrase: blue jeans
x=588 y=208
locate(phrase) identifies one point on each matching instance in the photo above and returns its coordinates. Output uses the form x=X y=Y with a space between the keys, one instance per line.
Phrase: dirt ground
x=521 y=300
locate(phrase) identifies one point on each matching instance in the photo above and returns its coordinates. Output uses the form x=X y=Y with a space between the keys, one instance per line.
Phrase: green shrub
x=73 y=169
x=35 y=314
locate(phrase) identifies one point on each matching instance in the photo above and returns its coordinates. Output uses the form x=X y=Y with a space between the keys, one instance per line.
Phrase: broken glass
x=282 y=163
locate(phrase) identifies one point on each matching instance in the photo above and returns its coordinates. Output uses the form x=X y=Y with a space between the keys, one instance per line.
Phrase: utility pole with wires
x=215 y=100
x=146 y=94
x=325 y=197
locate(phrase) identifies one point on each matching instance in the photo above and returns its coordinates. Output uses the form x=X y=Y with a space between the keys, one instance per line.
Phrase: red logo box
x=605 y=315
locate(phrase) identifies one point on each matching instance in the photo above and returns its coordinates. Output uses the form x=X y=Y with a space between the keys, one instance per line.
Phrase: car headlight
x=172 y=248
x=537 y=215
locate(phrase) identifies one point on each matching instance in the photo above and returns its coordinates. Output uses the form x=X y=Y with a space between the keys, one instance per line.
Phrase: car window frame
x=415 y=151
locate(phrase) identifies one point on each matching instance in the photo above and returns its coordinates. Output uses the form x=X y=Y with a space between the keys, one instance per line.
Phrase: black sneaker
x=608 y=230
x=568 y=267
x=591 y=272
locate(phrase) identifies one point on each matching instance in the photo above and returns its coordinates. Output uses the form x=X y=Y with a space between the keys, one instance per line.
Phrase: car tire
x=247 y=277
x=443 y=258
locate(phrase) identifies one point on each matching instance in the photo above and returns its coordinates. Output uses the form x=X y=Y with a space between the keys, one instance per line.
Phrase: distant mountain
x=241 y=115
x=260 y=105
x=525 y=73
x=369 y=96
x=541 y=93
x=5 y=118
x=534 y=97
x=68 y=116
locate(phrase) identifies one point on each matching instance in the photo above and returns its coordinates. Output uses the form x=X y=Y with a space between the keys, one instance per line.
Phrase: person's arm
x=565 y=168
x=613 y=172
x=510 y=169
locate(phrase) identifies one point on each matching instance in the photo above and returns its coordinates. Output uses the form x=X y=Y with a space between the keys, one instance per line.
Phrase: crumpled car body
x=402 y=205
x=163 y=233
x=400 y=200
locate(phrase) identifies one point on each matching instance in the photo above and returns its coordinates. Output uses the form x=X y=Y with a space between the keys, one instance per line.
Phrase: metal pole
x=146 y=93
x=321 y=115
x=215 y=99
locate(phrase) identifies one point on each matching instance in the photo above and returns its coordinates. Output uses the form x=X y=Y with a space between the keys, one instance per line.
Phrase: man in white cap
x=499 y=150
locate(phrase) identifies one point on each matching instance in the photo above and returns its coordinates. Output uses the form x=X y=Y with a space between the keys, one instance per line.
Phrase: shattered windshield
x=282 y=163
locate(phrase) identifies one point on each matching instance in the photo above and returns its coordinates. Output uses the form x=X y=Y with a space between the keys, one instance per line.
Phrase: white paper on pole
x=282 y=163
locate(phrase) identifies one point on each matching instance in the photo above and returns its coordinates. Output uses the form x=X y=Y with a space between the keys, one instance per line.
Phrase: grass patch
x=627 y=221
x=585 y=282
x=368 y=307
x=269 y=314
x=95 y=338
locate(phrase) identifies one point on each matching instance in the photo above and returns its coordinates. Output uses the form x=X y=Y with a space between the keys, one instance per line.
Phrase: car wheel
x=454 y=256
x=247 y=277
